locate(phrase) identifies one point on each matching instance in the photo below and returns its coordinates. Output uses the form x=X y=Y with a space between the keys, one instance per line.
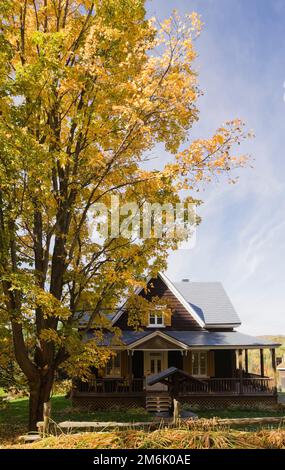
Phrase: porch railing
x=110 y=385
x=232 y=386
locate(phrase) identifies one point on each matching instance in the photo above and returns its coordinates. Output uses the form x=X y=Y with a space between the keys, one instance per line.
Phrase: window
x=113 y=368
x=199 y=363
x=156 y=319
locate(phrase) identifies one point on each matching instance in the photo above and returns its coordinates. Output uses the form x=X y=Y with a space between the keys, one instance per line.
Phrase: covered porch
x=217 y=364
x=214 y=372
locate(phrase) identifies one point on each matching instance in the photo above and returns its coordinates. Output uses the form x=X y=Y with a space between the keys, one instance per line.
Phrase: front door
x=155 y=362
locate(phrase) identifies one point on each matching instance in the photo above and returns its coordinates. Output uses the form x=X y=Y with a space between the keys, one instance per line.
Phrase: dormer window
x=156 y=319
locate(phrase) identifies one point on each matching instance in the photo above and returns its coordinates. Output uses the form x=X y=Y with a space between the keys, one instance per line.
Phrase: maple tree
x=87 y=89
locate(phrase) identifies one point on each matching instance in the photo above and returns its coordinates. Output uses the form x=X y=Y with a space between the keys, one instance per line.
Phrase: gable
x=156 y=343
x=181 y=318
x=157 y=340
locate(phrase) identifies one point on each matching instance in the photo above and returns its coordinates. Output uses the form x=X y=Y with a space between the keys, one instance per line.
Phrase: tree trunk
x=40 y=391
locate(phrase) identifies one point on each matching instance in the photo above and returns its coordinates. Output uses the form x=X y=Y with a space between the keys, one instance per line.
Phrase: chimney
x=185 y=280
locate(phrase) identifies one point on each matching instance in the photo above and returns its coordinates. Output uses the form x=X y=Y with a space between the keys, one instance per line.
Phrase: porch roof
x=220 y=339
x=191 y=339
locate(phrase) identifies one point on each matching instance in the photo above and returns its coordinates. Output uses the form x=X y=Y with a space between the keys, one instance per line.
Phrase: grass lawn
x=17 y=413
x=62 y=410
x=14 y=418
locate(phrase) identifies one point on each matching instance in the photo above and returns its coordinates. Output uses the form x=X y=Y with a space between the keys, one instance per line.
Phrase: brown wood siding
x=175 y=359
x=181 y=319
x=138 y=364
x=211 y=363
x=124 y=363
x=224 y=363
x=187 y=363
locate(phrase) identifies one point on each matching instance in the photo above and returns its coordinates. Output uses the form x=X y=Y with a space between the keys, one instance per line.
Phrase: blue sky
x=241 y=240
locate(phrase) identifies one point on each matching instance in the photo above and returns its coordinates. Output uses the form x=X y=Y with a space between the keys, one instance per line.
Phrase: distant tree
x=87 y=89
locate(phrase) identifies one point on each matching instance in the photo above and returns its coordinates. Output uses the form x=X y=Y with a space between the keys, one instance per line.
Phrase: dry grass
x=9 y=434
x=191 y=434
x=166 y=439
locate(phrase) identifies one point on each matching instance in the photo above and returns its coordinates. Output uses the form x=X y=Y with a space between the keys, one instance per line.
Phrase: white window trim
x=112 y=374
x=199 y=363
x=156 y=325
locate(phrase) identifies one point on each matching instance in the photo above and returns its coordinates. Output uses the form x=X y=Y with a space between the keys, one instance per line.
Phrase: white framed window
x=113 y=367
x=156 y=319
x=199 y=363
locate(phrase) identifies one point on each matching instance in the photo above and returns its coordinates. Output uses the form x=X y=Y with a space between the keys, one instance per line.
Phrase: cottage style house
x=199 y=338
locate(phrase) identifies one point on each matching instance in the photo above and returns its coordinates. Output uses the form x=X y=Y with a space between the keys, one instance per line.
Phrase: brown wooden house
x=199 y=338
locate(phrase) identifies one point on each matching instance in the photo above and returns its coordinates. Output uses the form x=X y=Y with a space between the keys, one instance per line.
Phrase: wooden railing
x=232 y=386
x=110 y=385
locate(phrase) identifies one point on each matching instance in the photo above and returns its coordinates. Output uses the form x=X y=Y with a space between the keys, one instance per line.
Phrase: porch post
x=240 y=370
x=246 y=360
x=130 y=369
x=273 y=360
x=261 y=362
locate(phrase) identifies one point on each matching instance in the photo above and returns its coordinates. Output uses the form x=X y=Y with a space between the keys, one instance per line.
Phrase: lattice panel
x=220 y=403
x=107 y=403
x=203 y=402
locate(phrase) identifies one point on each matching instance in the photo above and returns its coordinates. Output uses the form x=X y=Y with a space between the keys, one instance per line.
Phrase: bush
x=256 y=407
x=137 y=411
x=188 y=407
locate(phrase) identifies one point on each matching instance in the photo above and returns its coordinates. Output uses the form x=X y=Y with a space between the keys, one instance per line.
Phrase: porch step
x=158 y=403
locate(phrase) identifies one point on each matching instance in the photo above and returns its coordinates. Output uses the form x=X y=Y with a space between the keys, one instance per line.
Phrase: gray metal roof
x=229 y=339
x=193 y=339
x=127 y=337
x=210 y=302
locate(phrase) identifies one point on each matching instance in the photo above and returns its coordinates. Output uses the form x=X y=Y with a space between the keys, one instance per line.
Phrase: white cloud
x=241 y=240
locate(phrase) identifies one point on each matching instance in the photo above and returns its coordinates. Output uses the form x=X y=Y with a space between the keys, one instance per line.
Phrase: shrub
x=189 y=407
